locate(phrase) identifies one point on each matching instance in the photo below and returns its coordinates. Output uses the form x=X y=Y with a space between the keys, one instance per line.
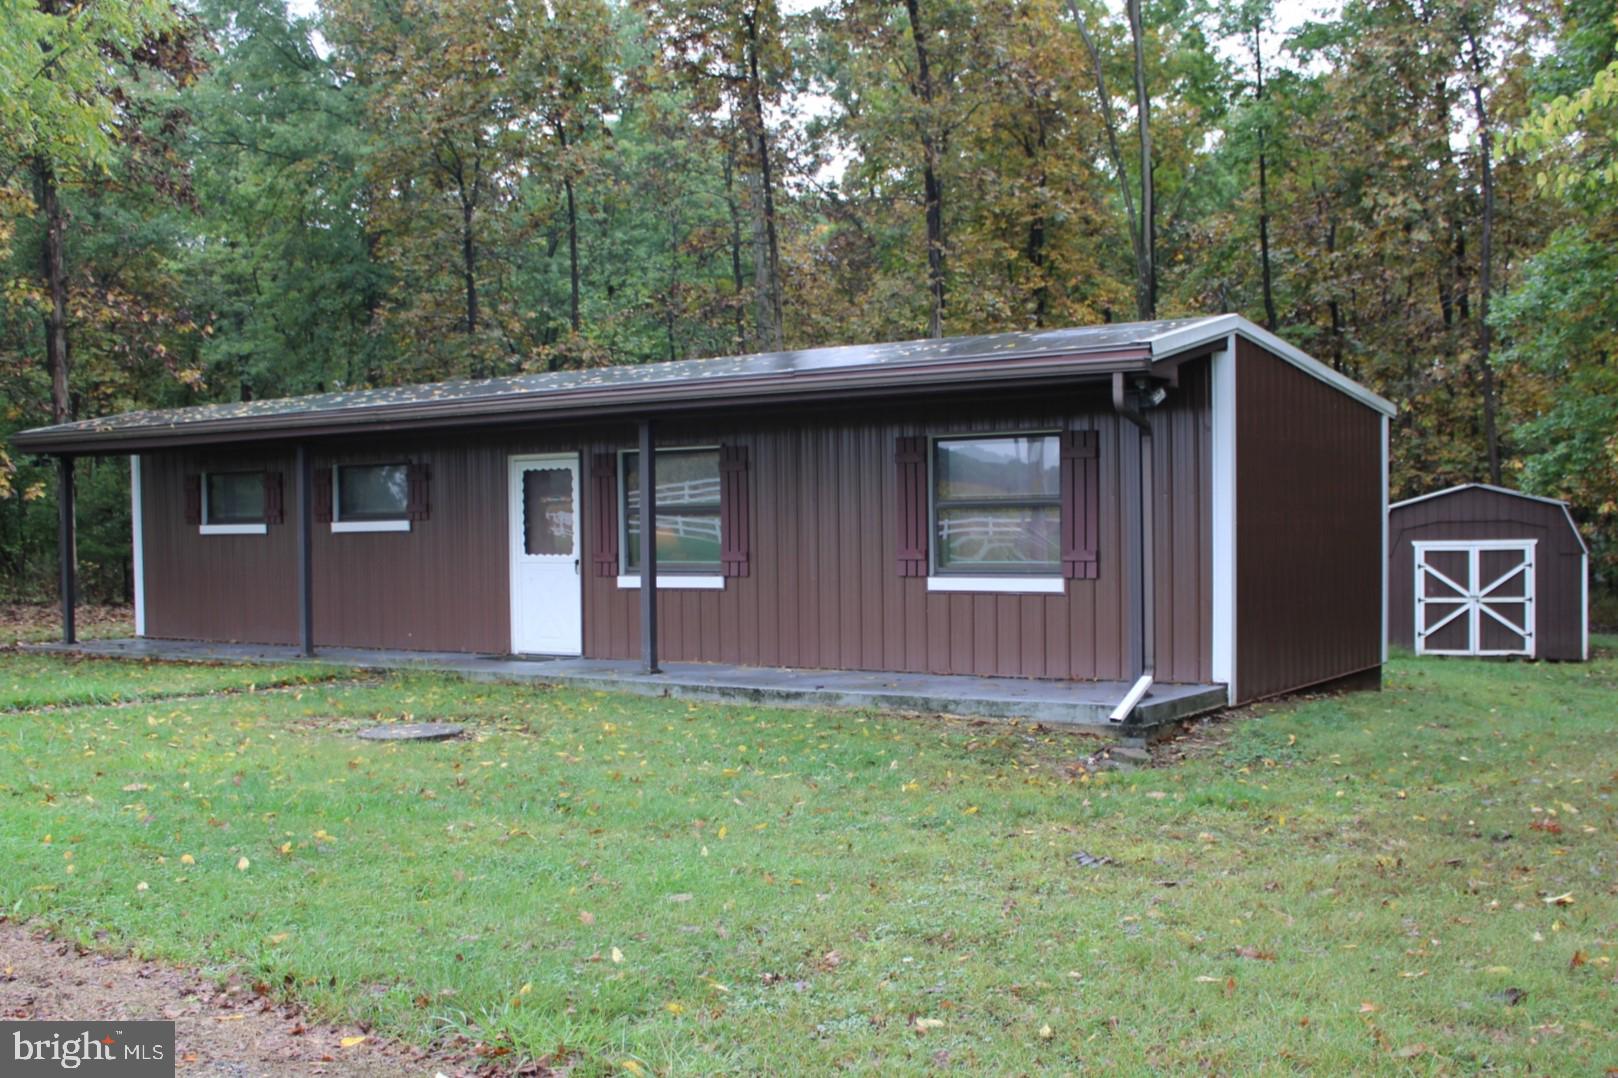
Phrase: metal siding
x=233 y=588
x=1475 y=513
x=1309 y=529
x=822 y=589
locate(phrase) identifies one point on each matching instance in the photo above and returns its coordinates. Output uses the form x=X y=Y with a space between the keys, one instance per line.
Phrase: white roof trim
x=1559 y=503
x=1213 y=329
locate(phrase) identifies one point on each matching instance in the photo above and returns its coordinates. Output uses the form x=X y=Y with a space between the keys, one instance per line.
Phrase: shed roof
x=1022 y=358
x=1567 y=513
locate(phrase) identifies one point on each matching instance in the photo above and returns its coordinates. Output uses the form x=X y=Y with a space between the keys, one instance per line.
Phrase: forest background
x=227 y=199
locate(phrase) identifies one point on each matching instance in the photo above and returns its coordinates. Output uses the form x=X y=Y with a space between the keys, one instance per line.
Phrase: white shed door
x=1475 y=598
x=547 y=615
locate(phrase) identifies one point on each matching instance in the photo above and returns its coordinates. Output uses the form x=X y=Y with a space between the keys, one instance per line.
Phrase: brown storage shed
x=1482 y=570
x=1186 y=501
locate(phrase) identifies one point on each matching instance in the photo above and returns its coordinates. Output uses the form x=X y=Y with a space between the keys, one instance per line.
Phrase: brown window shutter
x=322 y=495
x=910 y=454
x=274 y=509
x=416 y=501
x=604 y=489
x=193 y=499
x=734 y=515
x=1080 y=482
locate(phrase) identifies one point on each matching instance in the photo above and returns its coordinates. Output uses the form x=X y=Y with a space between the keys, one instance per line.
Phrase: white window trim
x=1007 y=585
x=677 y=581
x=234 y=529
x=261 y=528
x=622 y=486
x=340 y=526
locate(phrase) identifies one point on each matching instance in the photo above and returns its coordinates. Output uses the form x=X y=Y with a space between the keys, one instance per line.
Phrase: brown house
x=1185 y=501
x=1481 y=570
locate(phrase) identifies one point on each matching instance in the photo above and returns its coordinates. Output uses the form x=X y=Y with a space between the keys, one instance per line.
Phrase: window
x=547 y=511
x=372 y=497
x=687 y=511
x=233 y=503
x=997 y=506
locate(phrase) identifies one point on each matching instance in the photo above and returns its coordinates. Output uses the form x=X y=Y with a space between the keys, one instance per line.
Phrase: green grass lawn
x=1356 y=883
x=35 y=680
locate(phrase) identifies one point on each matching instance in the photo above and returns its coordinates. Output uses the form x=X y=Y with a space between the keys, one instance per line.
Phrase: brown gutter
x=627 y=399
x=1146 y=583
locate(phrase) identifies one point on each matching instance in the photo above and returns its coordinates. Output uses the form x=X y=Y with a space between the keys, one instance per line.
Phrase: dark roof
x=1003 y=360
x=627 y=388
x=1567 y=513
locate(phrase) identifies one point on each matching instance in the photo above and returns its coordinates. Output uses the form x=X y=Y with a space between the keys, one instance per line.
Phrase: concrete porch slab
x=1078 y=705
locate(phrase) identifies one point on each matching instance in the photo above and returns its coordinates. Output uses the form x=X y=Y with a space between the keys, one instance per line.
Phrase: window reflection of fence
x=685 y=492
x=995 y=539
x=684 y=526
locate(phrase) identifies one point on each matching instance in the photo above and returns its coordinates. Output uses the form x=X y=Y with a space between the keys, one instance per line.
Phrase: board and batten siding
x=822 y=588
x=1479 y=513
x=1309 y=515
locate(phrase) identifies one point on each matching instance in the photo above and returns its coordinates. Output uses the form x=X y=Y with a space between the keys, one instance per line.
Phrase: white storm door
x=547 y=609
x=1475 y=598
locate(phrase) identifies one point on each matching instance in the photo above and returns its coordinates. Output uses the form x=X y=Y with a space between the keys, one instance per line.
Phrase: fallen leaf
x=1046 y=1033
x=1369 y=1008
x=617 y=955
x=241 y=865
x=187 y=859
x=350 y=1042
x=1564 y=899
x=586 y=917
x=922 y=1025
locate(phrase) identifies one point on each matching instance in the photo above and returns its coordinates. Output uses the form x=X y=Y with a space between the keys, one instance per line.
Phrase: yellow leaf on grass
x=617 y=955
x=241 y=865
x=1565 y=899
x=674 y=1008
x=924 y=1024
x=187 y=859
x=141 y=886
x=286 y=847
x=970 y=810
x=632 y=1067
x=350 y=1042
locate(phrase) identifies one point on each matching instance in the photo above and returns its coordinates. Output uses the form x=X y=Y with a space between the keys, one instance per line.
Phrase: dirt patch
x=33 y=623
x=230 y=1030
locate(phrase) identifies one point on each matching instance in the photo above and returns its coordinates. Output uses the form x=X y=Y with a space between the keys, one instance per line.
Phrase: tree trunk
x=572 y=256
x=1147 y=302
x=469 y=265
x=1270 y=320
x=932 y=186
x=771 y=307
x=1491 y=434
x=572 y=233
x=53 y=268
x=735 y=245
x=1136 y=236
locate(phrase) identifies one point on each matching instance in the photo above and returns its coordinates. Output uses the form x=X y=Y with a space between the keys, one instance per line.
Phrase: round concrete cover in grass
x=412 y=731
